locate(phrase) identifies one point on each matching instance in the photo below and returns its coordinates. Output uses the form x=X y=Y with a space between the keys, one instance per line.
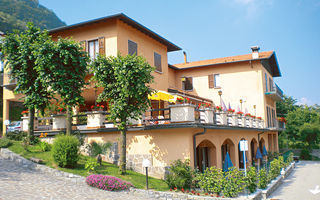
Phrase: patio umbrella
x=258 y=156
x=227 y=163
x=161 y=95
x=264 y=151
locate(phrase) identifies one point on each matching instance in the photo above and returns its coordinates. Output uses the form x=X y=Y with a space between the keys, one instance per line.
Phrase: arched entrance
x=227 y=146
x=261 y=144
x=206 y=155
x=253 y=150
x=241 y=157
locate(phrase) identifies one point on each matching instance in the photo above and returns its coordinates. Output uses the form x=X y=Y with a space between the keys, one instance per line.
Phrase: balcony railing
x=8 y=82
x=175 y=114
x=276 y=125
x=275 y=92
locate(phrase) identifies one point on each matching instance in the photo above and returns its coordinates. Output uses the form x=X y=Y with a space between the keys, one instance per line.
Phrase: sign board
x=6 y=122
x=243 y=145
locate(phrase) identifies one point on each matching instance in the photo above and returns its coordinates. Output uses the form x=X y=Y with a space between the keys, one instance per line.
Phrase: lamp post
x=241 y=101
x=255 y=110
x=220 y=94
x=146 y=163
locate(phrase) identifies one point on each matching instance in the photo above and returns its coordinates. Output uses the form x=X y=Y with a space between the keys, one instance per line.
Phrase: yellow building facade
x=243 y=83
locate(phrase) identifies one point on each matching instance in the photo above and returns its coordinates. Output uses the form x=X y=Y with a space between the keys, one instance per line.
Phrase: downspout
x=195 y=146
x=259 y=139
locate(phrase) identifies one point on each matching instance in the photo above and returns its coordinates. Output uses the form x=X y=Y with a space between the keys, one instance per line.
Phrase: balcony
x=8 y=83
x=175 y=116
x=277 y=125
x=275 y=93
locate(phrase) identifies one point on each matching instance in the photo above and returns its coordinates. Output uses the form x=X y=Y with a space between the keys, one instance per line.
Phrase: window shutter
x=210 y=81
x=190 y=83
x=83 y=45
x=102 y=46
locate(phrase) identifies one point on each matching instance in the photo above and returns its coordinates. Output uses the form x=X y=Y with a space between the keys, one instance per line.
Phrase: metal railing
x=44 y=123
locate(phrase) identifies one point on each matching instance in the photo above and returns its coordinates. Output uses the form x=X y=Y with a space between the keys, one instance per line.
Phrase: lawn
x=137 y=179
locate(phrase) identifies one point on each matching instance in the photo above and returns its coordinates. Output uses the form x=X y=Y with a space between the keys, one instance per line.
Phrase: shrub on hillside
x=211 y=180
x=16 y=135
x=108 y=183
x=180 y=175
x=65 y=150
x=5 y=143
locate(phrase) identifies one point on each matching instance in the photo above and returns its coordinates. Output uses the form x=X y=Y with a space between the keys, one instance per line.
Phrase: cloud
x=253 y=7
x=305 y=101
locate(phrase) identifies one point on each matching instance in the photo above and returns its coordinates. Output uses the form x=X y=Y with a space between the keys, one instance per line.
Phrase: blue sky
x=218 y=28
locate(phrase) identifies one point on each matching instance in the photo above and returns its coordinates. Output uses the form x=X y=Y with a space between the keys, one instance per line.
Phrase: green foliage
x=81 y=136
x=5 y=142
x=44 y=146
x=211 y=180
x=91 y=165
x=65 y=150
x=282 y=164
x=17 y=136
x=287 y=104
x=98 y=148
x=33 y=140
x=125 y=85
x=233 y=182
x=310 y=133
x=15 y=15
x=290 y=158
x=274 y=169
x=263 y=179
x=305 y=154
x=251 y=179
x=180 y=175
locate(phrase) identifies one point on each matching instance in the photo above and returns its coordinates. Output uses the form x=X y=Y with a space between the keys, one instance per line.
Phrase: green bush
x=305 y=154
x=211 y=180
x=65 y=150
x=91 y=165
x=33 y=140
x=289 y=159
x=251 y=179
x=180 y=175
x=44 y=146
x=233 y=182
x=274 y=169
x=263 y=179
x=16 y=135
x=281 y=162
x=5 y=143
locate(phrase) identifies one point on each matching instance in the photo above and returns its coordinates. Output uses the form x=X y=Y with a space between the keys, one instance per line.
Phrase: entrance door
x=203 y=158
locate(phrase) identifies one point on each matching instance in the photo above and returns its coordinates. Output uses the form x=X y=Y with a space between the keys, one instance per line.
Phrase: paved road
x=20 y=183
x=305 y=176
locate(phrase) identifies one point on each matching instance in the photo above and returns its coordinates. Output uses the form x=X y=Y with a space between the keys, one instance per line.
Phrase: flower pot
x=182 y=113
x=58 y=122
x=95 y=119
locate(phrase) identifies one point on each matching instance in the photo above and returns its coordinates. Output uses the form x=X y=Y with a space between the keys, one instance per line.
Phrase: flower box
x=221 y=118
x=182 y=113
x=95 y=119
x=58 y=122
x=232 y=119
x=240 y=120
x=248 y=122
x=206 y=116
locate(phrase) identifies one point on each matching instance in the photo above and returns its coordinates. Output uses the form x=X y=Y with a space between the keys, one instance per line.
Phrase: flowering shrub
x=108 y=183
x=211 y=180
x=219 y=108
x=282 y=119
x=97 y=107
x=233 y=182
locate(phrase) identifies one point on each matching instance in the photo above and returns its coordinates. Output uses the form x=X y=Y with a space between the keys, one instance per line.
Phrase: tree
x=20 y=50
x=63 y=66
x=285 y=105
x=125 y=83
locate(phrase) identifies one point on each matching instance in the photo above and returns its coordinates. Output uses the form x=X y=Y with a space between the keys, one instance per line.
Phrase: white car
x=14 y=126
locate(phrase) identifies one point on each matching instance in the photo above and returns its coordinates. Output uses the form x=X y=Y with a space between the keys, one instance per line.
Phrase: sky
x=208 y=29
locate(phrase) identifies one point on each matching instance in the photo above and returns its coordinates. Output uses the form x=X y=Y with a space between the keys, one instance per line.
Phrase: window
x=93 y=49
x=157 y=62
x=217 y=83
x=270 y=85
x=266 y=79
x=132 y=48
x=268 y=117
x=187 y=83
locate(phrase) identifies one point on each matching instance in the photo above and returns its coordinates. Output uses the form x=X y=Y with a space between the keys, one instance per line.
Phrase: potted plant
x=239 y=113
x=97 y=107
x=25 y=113
x=180 y=100
x=230 y=111
x=219 y=108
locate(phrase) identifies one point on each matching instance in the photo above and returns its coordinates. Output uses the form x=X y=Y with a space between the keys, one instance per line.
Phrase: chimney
x=185 y=57
x=255 y=52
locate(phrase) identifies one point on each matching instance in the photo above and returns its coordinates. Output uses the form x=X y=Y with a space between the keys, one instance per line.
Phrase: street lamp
x=255 y=110
x=241 y=104
x=220 y=94
x=146 y=163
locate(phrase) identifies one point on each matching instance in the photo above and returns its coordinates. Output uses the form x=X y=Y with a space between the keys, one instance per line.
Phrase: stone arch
x=228 y=146
x=206 y=155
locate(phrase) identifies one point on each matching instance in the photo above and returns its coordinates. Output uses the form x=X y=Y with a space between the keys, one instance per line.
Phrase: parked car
x=15 y=126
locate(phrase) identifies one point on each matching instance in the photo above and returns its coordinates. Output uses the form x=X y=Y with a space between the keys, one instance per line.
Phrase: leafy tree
x=21 y=52
x=310 y=134
x=63 y=64
x=125 y=81
x=286 y=105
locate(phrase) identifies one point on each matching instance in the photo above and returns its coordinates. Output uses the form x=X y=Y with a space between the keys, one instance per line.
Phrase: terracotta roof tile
x=262 y=55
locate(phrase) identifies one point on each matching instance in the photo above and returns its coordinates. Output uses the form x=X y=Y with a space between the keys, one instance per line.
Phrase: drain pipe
x=195 y=146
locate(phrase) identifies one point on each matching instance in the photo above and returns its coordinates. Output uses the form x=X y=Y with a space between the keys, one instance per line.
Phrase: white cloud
x=305 y=101
x=253 y=7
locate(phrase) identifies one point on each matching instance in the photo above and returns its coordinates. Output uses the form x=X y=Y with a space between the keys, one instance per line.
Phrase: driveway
x=305 y=177
x=21 y=183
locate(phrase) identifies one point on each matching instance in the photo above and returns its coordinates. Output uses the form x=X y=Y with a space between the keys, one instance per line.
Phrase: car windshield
x=15 y=124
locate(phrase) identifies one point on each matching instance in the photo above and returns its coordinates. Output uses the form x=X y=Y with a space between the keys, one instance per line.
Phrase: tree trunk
x=69 y=121
x=123 y=156
x=31 y=123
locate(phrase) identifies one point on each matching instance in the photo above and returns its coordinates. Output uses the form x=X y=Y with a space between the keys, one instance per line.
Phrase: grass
x=137 y=179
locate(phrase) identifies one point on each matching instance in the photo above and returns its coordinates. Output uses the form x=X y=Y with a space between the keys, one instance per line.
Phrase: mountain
x=14 y=14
